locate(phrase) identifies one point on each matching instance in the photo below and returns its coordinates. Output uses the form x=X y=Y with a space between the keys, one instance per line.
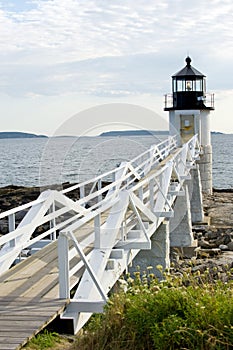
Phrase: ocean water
x=222 y=160
x=39 y=161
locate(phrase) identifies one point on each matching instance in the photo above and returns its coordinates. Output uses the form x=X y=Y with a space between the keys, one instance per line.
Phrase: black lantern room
x=188 y=90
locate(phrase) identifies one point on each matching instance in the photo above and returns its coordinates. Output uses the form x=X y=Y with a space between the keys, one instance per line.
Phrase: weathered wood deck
x=29 y=295
x=29 y=298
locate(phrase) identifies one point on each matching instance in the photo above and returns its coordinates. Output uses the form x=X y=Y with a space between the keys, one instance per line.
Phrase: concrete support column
x=181 y=225
x=205 y=166
x=205 y=138
x=195 y=195
x=159 y=253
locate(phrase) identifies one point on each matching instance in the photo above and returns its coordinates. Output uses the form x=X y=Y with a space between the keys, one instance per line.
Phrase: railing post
x=99 y=187
x=151 y=191
x=97 y=221
x=63 y=264
x=140 y=193
x=123 y=230
x=11 y=227
x=82 y=194
x=52 y=222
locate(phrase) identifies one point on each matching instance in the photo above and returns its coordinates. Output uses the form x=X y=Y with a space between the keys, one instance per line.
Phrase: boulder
x=210 y=235
x=224 y=239
x=230 y=246
x=223 y=247
x=204 y=244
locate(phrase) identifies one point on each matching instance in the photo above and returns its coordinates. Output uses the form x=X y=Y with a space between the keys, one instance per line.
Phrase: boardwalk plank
x=8 y=347
x=29 y=294
x=20 y=326
x=29 y=261
x=23 y=317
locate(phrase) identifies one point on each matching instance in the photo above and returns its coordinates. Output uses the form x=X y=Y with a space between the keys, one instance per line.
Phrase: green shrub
x=187 y=312
x=43 y=340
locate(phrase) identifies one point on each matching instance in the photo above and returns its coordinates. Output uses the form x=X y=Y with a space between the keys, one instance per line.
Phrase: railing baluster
x=82 y=191
x=63 y=264
x=99 y=187
x=11 y=226
x=151 y=191
x=52 y=223
x=97 y=222
x=140 y=193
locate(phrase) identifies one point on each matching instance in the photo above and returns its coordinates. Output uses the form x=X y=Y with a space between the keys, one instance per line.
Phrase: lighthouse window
x=198 y=85
x=174 y=85
x=188 y=85
x=204 y=85
x=180 y=85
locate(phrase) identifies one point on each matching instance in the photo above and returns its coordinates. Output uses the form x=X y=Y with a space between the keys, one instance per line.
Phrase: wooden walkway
x=29 y=292
x=29 y=298
x=29 y=295
x=21 y=318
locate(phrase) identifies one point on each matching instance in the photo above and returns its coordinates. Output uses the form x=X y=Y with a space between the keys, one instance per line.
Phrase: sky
x=61 y=58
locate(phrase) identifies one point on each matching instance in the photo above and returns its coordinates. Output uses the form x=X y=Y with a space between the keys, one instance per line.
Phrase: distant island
x=135 y=133
x=25 y=135
x=18 y=135
x=217 y=133
x=144 y=133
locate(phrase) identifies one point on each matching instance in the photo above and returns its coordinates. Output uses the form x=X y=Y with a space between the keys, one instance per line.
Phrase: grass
x=47 y=340
x=192 y=311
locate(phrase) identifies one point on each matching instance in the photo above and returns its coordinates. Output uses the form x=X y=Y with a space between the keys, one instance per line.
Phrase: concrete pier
x=195 y=195
x=205 y=166
x=159 y=253
x=181 y=224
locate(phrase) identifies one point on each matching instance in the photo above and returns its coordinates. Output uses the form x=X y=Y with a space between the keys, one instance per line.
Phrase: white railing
x=119 y=231
x=121 y=215
x=53 y=210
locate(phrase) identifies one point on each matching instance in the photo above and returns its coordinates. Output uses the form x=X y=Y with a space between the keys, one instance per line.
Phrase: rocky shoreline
x=13 y=196
x=214 y=253
x=215 y=238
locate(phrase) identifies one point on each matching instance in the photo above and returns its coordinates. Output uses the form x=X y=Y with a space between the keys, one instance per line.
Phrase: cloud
x=71 y=30
x=108 y=48
x=105 y=76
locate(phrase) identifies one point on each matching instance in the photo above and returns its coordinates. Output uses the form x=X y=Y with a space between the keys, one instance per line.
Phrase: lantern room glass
x=185 y=84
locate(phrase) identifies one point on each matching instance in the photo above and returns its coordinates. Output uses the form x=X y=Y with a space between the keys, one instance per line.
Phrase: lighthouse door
x=186 y=127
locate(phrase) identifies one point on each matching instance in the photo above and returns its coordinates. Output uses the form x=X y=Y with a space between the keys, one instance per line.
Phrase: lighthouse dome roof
x=188 y=71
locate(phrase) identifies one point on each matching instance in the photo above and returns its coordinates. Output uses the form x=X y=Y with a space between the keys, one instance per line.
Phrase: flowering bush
x=188 y=311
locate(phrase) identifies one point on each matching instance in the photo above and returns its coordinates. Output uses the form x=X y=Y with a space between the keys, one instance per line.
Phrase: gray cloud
x=106 y=76
x=106 y=48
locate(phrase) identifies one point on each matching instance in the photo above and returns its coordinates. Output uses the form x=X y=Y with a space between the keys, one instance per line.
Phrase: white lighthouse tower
x=189 y=109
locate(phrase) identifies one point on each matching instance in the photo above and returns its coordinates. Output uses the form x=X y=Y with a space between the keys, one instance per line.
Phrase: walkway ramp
x=29 y=292
x=21 y=318
x=29 y=298
x=79 y=248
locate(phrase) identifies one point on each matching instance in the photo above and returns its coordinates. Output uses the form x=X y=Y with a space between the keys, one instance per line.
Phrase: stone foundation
x=205 y=166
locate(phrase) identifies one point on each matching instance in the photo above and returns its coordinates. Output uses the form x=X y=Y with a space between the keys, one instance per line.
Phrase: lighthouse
x=189 y=109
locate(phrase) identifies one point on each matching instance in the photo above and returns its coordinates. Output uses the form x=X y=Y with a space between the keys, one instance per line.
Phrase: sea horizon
x=76 y=159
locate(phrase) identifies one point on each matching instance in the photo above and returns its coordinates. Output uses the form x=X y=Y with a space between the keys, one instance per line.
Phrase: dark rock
x=230 y=246
x=204 y=244
x=211 y=235
x=208 y=252
x=197 y=235
x=223 y=239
